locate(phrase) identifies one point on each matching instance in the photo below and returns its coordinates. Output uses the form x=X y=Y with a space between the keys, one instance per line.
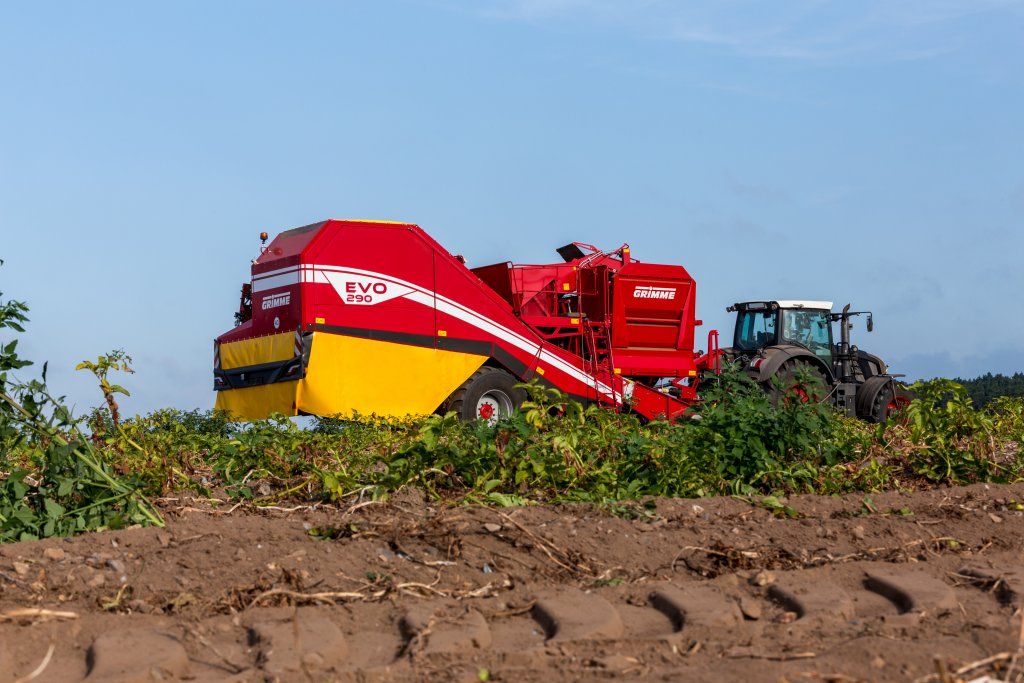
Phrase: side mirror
x=871 y=323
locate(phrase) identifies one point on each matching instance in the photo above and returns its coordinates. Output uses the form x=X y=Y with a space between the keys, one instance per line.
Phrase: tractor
x=788 y=348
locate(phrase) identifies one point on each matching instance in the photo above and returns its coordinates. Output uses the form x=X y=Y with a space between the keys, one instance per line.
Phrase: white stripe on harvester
x=430 y=299
x=426 y=297
x=275 y=281
x=279 y=271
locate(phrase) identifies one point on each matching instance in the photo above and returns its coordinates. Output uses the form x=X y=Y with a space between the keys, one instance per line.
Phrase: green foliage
x=13 y=315
x=115 y=361
x=954 y=440
x=738 y=441
x=67 y=487
x=53 y=480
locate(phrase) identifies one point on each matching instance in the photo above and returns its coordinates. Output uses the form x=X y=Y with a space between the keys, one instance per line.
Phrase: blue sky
x=866 y=151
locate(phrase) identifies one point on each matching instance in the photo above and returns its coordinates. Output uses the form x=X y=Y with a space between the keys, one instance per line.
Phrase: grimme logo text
x=275 y=300
x=654 y=293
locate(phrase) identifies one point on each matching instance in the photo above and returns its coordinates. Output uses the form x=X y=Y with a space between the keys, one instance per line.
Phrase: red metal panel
x=286 y=248
x=498 y=277
x=653 y=319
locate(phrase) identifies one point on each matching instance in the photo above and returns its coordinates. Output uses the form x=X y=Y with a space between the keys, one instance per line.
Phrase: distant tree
x=984 y=389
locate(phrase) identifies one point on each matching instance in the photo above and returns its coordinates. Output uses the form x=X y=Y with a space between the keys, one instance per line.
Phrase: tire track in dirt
x=707 y=590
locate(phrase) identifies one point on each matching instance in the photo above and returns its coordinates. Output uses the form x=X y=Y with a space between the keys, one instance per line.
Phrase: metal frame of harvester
x=350 y=317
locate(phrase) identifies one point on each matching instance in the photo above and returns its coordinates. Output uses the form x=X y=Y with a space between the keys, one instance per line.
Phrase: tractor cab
x=762 y=324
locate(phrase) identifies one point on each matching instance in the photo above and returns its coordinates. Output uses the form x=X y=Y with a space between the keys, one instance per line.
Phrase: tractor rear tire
x=791 y=389
x=489 y=394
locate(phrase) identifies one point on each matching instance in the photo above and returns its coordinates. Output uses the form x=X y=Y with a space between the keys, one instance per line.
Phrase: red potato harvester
x=375 y=317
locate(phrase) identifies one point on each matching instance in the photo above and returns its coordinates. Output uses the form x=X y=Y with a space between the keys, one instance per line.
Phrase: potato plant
x=53 y=480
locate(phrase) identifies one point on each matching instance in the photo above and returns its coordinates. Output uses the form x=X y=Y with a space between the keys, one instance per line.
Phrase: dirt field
x=832 y=589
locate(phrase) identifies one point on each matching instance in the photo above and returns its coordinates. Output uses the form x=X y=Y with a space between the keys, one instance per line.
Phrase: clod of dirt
x=97 y=560
x=55 y=554
x=572 y=615
x=304 y=643
x=698 y=605
x=20 y=568
x=750 y=608
x=431 y=630
x=912 y=591
x=136 y=656
x=140 y=606
x=762 y=578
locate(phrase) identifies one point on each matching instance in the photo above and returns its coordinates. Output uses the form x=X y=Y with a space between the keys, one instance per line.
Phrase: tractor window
x=755 y=330
x=812 y=329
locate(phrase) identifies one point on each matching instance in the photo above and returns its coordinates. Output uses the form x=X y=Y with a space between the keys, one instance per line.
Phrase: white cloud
x=816 y=30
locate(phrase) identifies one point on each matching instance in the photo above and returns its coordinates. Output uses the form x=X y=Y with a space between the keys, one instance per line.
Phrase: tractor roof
x=781 y=303
x=801 y=303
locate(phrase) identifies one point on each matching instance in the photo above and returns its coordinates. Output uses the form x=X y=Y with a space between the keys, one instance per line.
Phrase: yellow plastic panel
x=267 y=349
x=347 y=374
x=257 y=403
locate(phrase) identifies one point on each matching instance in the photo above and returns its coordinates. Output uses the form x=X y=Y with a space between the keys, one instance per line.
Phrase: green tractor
x=788 y=348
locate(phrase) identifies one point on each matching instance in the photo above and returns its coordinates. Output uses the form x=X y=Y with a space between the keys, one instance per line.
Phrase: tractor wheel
x=489 y=394
x=884 y=405
x=798 y=381
x=890 y=401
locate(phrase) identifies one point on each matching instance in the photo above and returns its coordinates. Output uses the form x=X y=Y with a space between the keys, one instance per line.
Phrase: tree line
x=988 y=387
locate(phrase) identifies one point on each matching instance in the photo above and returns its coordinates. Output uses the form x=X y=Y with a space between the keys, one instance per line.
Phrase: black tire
x=815 y=391
x=487 y=386
x=881 y=406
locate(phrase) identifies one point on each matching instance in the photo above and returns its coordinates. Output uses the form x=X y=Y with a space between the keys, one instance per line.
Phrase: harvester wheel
x=490 y=394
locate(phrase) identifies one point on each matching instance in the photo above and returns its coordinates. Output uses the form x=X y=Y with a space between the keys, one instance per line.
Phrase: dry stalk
x=778 y=657
x=224 y=659
x=547 y=547
x=327 y=596
x=36 y=614
x=514 y=612
x=42 y=666
x=973 y=666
